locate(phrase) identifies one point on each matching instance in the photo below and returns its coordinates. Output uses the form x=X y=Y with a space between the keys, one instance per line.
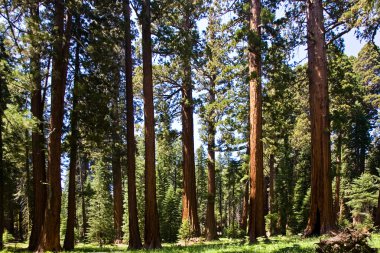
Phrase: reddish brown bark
x=50 y=239
x=211 y=233
x=133 y=222
x=71 y=206
x=321 y=218
x=152 y=230
x=189 y=198
x=38 y=154
x=256 y=224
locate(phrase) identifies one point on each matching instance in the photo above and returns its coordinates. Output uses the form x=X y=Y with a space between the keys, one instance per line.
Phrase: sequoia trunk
x=152 y=231
x=256 y=224
x=189 y=198
x=38 y=154
x=50 y=239
x=133 y=222
x=321 y=218
x=71 y=206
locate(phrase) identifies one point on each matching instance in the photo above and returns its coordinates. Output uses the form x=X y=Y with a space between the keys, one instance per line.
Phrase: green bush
x=7 y=237
x=234 y=232
x=185 y=231
x=362 y=197
x=171 y=217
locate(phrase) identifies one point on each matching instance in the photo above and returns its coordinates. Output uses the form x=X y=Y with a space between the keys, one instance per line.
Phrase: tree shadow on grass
x=295 y=248
x=227 y=247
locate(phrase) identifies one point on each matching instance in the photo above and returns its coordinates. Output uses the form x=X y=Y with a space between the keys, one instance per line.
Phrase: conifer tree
x=101 y=229
x=152 y=229
x=256 y=225
x=321 y=217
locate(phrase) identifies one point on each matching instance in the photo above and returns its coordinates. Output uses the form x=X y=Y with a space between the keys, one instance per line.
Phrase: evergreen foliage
x=100 y=211
x=171 y=216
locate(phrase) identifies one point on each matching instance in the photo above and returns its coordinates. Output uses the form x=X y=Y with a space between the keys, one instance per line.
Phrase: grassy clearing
x=278 y=244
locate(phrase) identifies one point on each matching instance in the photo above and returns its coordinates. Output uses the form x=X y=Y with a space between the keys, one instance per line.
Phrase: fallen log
x=347 y=241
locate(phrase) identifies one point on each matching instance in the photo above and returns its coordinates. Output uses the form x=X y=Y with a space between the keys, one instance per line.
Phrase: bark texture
x=38 y=153
x=133 y=222
x=189 y=198
x=321 y=218
x=152 y=231
x=71 y=206
x=50 y=236
x=256 y=226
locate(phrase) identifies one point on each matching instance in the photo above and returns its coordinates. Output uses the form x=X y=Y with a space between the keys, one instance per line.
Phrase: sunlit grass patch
x=276 y=244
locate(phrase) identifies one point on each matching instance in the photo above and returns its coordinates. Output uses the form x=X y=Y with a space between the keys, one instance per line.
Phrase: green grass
x=278 y=244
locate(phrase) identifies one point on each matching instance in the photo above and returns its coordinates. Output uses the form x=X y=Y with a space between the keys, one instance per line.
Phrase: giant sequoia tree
x=71 y=206
x=50 y=236
x=152 y=229
x=188 y=60
x=189 y=198
x=321 y=218
x=38 y=154
x=133 y=224
x=256 y=224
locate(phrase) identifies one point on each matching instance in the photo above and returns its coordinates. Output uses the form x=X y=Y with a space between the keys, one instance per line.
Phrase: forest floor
x=277 y=244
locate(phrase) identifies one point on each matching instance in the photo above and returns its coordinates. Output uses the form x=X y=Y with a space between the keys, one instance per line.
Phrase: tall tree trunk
x=71 y=207
x=133 y=222
x=38 y=153
x=152 y=229
x=220 y=190
x=83 y=177
x=211 y=233
x=116 y=168
x=245 y=209
x=321 y=217
x=256 y=225
x=338 y=171
x=28 y=184
x=189 y=198
x=50 y=239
